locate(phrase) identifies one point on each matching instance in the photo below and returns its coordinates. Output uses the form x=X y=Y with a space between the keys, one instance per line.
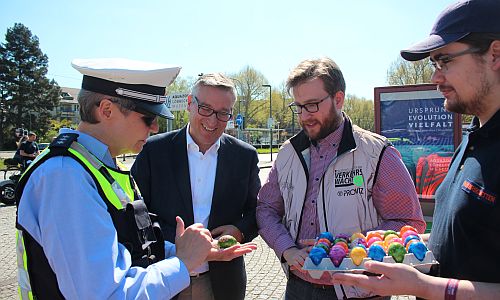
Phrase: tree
x=249 y=86
x=55 y=126
x=404 y=72
x=360 y=111
x=27 y=95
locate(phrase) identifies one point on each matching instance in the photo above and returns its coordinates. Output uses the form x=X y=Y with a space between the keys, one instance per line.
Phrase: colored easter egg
x=337 y=255
x=371 y=234
x=339 y=240
x=407 y=246
x=317 y=254
x=387 y=232
x=376 y=252
x=418 y=249
x=357 y=254
x=406 y=228
x=343 y=245
x=358 y=241
x=408 y=233
x=342 y=236
x=380 y=243
x=357 y=235
x=397 y=251
x=326 y=241
x=373 y=239
x=390 y=236
x=411 y=237
x=323 y=245
x=326 y=235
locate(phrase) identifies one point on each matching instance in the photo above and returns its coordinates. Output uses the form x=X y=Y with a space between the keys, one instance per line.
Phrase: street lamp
x=270 y=120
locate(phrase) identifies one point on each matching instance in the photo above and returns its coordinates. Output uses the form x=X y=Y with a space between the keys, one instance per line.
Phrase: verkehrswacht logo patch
x=349 y=181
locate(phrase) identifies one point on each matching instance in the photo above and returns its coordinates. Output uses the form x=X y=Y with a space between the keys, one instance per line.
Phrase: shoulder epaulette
x=64 y=140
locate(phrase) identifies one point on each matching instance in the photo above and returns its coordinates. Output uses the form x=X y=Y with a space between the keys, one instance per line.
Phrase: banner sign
x=177 y=102
x=421 y=129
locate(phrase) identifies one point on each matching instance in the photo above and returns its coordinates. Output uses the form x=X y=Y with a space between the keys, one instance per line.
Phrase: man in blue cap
x=84 y=231
x=464 y=48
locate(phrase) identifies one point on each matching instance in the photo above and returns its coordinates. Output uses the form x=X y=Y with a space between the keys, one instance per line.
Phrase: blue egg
x=376 y=252
x=418 y=249
x=411 y=237
x=326 y=235
x=317 y=254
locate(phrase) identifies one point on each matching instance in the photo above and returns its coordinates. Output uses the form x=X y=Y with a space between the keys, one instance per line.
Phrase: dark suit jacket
x=161 y=171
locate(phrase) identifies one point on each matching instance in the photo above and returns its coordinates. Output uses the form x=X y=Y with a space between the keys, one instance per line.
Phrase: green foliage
x=361 y=111
x=404 y=72
x=55 y=126
x=249 y=83
x=267 y=150
x=26 y=94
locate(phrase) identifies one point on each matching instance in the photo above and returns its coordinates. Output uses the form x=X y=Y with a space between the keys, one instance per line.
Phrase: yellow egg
x=357 y=235
x=357 y=254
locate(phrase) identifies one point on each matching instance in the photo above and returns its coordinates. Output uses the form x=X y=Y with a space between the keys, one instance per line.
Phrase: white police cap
x=143 y=82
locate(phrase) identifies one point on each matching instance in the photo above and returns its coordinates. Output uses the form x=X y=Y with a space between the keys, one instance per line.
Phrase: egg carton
x=347 y=265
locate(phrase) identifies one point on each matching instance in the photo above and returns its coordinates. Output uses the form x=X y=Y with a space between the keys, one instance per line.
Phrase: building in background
x=68 y=106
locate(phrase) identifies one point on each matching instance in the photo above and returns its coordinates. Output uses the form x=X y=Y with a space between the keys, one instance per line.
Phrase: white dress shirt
x=202 y=169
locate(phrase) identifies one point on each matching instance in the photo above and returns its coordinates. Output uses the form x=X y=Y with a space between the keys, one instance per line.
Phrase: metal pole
x=270 y=117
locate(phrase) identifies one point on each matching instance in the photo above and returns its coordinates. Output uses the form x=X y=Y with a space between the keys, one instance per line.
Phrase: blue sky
x=363 y=36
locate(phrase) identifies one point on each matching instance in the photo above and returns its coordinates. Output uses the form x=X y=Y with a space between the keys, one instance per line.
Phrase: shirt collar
x=190 y=143
x=93 y=145
x=334 y=138
x=490 y=127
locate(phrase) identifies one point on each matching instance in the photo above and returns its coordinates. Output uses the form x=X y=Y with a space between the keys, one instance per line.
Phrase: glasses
x=309 y=107
x=207 y=112
x=147 y=117
x=440 y=62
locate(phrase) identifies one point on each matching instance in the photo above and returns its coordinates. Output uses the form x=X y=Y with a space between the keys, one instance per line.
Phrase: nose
x=437 y=76
x=304 y=115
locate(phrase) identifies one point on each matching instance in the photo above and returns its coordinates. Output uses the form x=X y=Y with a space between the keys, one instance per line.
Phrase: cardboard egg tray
x=347 y=265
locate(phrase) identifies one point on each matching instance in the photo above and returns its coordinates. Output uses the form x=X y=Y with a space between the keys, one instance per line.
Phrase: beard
x=476 y=105
x=327 y=127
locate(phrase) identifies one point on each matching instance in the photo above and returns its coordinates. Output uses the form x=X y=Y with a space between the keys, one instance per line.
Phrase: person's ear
x=105 y=109
x=338 y=100
x=495 y=52
x=190 y=101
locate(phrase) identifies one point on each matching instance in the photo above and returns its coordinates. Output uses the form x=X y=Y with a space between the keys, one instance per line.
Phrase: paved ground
x=265 y=277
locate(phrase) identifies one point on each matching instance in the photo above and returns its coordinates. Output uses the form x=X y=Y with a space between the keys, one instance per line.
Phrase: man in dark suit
x=204 y=176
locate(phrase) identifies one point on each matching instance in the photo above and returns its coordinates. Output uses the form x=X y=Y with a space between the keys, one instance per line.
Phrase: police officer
x=464 y=48
x=84 y=231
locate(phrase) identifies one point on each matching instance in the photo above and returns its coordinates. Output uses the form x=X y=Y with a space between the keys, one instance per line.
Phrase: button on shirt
x=202 y=168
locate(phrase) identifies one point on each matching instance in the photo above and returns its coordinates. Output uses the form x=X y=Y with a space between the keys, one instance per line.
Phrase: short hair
x=88 y=102
x=482 y=41
x=217 y=80
x=31 y=133
x=324 y=68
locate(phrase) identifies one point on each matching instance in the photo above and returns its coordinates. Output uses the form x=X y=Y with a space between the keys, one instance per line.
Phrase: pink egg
x=407 y=233
x=372 y=240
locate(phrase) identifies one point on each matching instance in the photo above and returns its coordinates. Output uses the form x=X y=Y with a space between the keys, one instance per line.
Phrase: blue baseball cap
x=456 y=22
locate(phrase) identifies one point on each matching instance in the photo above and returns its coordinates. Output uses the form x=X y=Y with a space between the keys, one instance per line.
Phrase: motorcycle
x=8 y=189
